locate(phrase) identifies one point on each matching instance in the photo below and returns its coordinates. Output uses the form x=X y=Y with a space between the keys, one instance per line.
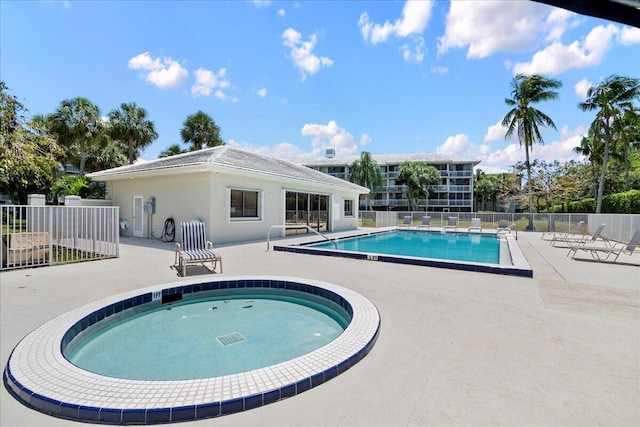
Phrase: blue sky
x=292 y=78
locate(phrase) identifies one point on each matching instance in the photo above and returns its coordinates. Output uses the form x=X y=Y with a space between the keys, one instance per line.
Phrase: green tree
x=366 y=172
x=590 y=148
x=171 y=150
x=200 y=131
x=28 y=155
x=77 y=124
x=484 y=188
x=610 y=98
x=130 y=125
x=525 y=120
x=417 y=176
x=627 y=131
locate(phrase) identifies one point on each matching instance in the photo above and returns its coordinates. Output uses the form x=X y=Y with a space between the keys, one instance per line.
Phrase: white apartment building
x=454 y=192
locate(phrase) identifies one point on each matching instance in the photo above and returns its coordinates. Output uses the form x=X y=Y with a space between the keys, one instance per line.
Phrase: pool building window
x=348 y=208
x=244 y=204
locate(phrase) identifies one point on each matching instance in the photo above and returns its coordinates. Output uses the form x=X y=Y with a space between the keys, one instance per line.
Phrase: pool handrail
x=298 y=226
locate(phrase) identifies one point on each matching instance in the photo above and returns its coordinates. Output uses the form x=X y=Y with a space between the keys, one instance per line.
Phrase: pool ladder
x=298 y=226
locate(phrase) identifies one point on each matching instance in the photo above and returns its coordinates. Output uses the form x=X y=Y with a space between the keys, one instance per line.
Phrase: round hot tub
x=183 y=366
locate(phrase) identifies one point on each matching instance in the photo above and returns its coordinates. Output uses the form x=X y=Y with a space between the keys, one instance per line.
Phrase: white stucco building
x=238 y=194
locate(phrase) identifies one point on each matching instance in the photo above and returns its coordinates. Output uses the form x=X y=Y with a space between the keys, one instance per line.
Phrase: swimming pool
x=41 y=377
x=482 y=252
x=474 y=247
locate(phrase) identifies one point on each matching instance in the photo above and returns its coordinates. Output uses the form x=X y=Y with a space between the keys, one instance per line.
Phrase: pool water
x=473 y=247
x=208 y=338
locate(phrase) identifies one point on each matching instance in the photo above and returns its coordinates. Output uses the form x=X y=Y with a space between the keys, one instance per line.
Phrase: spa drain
x=230 y=339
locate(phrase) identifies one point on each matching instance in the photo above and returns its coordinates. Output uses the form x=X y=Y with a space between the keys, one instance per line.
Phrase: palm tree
x=611 y=98
x=366 y=172
x=130 y=125
x=171 y=150
x=417 y=176
x=77 y=122
x=525 y=119
x=627 y=131
x=200 y=131
x=590 y=147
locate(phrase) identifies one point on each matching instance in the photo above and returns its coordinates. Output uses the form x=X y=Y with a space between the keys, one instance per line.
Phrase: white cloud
x=281 y=12
x=165 y=73
x=562 y=150
x=261 y=3
x=487 y=27
x=364 y=139
x=582 y=87
x=439 y=70
x=283 y=150
x=629 y=35
x=495 y=132
x=415 y=16
x=331 y=135
x=557 y=57
x=417 y=54
x=262 y=92
x=207 y=81
x=302 y=52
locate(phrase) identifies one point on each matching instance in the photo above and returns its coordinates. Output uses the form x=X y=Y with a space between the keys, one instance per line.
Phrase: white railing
x=33 y=236
x=619 y=227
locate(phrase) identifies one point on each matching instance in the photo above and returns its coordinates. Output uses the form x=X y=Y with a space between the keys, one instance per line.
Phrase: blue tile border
x=521 y=270
x=153 y=414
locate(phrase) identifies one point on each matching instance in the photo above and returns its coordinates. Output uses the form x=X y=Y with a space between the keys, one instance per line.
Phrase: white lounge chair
x=426 y=222
x=579 y=230
x=195 y=248
x=406 y=222
x=503 y=225
x=602 y=253
x=580 y=239
x=475 y=224
x=452 y=223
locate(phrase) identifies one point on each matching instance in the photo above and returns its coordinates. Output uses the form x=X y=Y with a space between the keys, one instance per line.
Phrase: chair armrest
x=178 y=249
x=209 y=245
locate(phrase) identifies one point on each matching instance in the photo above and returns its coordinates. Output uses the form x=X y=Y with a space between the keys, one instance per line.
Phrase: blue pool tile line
x=519 y=266
x=364 y=329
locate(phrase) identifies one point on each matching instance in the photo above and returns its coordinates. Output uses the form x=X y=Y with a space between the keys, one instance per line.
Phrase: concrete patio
x=455 y=348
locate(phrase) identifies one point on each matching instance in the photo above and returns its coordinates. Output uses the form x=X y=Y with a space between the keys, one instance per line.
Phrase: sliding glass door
x=306 y=209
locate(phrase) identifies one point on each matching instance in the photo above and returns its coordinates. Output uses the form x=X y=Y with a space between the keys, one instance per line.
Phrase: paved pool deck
x=455 y=347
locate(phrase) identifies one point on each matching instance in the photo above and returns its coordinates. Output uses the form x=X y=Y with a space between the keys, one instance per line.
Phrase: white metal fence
x=47 y=235
x=619 y=227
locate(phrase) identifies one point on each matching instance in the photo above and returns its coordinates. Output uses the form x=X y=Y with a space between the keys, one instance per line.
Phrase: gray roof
x=227 y=157
x=384 y=159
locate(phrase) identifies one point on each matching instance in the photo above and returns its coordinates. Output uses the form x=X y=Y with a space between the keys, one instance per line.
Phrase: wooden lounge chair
x=578 y=239
x=603 y=253
x=195 y=248
x=452 y=224
x=426 y=222
x=475 y=224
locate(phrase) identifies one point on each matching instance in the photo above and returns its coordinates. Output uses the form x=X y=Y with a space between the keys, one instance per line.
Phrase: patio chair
x=452 y=223
x=580 y=238
x=195 y=248
x=406 y=222
x=475 y=224
x=580 y=229
x=426 y=222
x=503 y=225
x=602 y=253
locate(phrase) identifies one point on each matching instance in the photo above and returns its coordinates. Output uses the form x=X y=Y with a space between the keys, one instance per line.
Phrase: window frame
x=344 y=208
x=231 y=209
